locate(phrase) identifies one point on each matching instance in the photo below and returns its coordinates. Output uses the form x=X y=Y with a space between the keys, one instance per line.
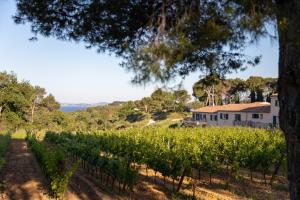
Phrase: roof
x=257 y=107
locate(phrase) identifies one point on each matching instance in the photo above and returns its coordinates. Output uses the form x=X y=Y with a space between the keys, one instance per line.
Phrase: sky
x=74 y=74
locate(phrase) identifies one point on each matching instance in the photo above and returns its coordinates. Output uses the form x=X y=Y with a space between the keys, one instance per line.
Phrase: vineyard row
x=176 y=153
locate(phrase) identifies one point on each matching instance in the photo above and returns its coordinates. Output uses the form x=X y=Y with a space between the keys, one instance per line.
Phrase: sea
x=72 y=108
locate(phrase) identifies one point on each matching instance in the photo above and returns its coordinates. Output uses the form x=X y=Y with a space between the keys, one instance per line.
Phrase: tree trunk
x=289 y=86
x=181 y=180
x=32 y=111
x=213 y=95
x=277 y=166
x=252 y=96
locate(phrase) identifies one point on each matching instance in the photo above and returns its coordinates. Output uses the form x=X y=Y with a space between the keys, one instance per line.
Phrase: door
x=274 y=120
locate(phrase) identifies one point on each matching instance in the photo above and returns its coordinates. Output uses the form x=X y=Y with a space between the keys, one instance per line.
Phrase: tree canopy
x=157 y=39
x=24 y=105
x=212 y=90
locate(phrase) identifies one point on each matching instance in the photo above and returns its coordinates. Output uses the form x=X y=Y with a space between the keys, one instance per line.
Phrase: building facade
x=258 y=114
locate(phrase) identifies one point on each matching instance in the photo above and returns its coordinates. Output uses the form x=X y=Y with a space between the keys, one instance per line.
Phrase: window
x=204 y=116
x=276 y=103
x=261 y=116
x=213 y=117
x=197 y=117
x=255 y=116
x=200 y=116
x=225 y=116
x=237 y=117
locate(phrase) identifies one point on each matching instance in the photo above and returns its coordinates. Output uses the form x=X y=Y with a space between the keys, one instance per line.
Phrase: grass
x=19 y=135
x=171 y=118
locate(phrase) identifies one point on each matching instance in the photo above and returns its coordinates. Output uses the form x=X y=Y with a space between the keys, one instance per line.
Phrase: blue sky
x=74 y=74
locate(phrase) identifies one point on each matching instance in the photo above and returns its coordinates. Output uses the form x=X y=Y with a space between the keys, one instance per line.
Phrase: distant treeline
x=25 y=106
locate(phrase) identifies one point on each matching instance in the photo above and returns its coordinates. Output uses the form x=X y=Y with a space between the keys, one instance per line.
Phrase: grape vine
x=53 y=164
x=175 y=153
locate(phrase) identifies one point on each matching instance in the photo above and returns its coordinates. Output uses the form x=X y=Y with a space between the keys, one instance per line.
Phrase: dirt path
x=22 y=176
x=24 y=179
x=80 y=188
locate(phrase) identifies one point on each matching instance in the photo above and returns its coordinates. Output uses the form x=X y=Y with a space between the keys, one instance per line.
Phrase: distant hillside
x=71 y=107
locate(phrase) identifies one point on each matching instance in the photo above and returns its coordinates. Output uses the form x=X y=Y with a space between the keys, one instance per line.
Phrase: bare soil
x=22 y=177
x=237 y=189
x=145 y=189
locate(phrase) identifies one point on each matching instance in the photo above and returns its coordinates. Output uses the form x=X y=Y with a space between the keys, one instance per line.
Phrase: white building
x=258 y=114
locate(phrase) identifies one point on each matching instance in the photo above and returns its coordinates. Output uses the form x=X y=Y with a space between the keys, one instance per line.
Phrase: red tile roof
x=257 y=107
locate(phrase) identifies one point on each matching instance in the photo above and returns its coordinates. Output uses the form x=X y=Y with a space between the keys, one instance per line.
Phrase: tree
x=271 y=87
x=24 y=105
x=208 y=89
x=161 y=39
x=130 y=112
x=36 y=99
x=261 y=88
x=237 y=86
x=6 y=81
x=50 y=103
x=15 y=98
x=163 y=101
x=256 y=86
x=181 y=97
x=145 y=104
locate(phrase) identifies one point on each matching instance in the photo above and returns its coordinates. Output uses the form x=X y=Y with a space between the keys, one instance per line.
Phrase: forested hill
x=25 y=106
